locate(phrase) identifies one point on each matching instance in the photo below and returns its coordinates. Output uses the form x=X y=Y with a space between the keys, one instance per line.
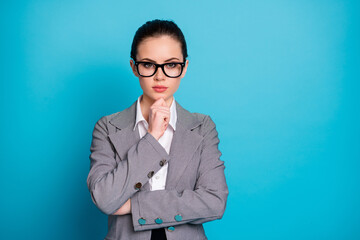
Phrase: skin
x=155 y=106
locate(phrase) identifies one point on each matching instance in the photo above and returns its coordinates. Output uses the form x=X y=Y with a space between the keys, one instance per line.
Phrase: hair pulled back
x=157 y=28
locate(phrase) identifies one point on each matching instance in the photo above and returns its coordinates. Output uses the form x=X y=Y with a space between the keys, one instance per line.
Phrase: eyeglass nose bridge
x=160 y=66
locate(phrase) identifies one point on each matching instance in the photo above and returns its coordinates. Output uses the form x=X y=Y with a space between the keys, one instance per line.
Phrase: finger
x=160 y=107
x=161 y=114
x=166 y=111
x=159 y=102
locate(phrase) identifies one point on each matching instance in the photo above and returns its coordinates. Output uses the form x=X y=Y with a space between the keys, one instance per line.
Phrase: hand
x=124 y=209
x=159 y=117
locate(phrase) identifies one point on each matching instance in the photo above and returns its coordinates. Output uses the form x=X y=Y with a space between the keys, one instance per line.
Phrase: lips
x=159 y=88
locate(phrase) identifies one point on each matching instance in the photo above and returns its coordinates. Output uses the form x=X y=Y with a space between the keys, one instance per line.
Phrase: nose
x=159 y=75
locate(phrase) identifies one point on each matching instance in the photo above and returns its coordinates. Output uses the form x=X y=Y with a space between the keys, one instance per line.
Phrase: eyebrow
x=150 y=60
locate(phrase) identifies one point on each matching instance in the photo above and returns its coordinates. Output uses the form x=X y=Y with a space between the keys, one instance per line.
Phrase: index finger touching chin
x=159 y=102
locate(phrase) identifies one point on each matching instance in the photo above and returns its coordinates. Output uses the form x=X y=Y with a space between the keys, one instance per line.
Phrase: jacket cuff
x=135 y=211
x=157 y=146
x=165 y=217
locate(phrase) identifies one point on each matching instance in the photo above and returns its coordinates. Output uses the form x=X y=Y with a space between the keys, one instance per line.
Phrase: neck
x=146 y=102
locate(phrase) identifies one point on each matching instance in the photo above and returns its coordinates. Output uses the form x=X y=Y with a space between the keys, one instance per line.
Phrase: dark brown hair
x=157 y=28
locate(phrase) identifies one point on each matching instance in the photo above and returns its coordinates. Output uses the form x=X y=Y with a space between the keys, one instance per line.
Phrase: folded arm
x=205 y=203
x=111 y=181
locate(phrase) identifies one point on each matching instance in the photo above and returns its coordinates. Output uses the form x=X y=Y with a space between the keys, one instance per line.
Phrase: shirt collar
x=140 y=117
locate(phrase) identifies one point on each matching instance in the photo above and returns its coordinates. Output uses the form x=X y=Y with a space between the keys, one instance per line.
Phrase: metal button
x=158 y=221
x=150 y=174
x=142 y=221
x=170 y=229
x=162 y=162
x=138 y=186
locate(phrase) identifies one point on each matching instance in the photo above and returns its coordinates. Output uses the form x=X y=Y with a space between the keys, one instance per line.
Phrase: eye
x=148 y=65
x=171 y=65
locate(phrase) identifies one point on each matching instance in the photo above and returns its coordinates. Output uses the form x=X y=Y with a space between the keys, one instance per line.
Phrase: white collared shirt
x=158 y=181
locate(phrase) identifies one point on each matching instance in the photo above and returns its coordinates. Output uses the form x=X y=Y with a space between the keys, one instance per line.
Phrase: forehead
x=159 y=48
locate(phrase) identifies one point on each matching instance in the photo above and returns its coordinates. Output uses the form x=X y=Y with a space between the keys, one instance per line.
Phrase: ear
x=185 y=68
x=133 y=67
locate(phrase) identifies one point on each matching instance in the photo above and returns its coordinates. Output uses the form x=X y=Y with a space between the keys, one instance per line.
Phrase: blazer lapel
x=183 y=146
x=125 y=136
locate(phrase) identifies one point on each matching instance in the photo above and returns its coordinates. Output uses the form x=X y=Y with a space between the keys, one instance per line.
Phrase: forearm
x=204 y=201
x=193 y=206
x=112 y=181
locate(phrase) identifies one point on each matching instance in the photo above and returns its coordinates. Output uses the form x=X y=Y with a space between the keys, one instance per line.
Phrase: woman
x=155 y=167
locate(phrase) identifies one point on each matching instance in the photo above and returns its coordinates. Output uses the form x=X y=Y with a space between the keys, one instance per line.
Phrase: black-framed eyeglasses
x=170 y=69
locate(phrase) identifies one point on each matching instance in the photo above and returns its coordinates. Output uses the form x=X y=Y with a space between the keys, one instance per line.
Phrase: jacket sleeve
x=112 y=181
x=205 y=203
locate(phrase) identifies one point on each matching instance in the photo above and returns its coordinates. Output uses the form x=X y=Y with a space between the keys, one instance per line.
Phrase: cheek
x=176 y=84
x=143 y=84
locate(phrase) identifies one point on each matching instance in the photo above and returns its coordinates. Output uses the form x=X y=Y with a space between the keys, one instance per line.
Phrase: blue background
x=279 y=78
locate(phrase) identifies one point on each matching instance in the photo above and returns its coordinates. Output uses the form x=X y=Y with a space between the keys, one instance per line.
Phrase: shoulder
x=199 y=116
x=120 y=119
x=200 y=122
x=208 y=124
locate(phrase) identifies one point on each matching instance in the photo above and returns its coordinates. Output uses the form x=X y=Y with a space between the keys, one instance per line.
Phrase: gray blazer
x=122 y=163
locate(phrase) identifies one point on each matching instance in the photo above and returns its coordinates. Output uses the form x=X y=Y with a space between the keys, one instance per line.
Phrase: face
x=161 y=49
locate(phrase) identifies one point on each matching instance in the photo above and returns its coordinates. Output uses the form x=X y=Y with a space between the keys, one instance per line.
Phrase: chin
x=161 y=95
x=155 y=96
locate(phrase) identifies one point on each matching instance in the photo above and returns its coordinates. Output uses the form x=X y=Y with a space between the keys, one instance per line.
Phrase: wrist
x=155 y=135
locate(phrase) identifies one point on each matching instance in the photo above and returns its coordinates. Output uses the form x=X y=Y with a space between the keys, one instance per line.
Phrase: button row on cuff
x=150 y=175
x=177 y=217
